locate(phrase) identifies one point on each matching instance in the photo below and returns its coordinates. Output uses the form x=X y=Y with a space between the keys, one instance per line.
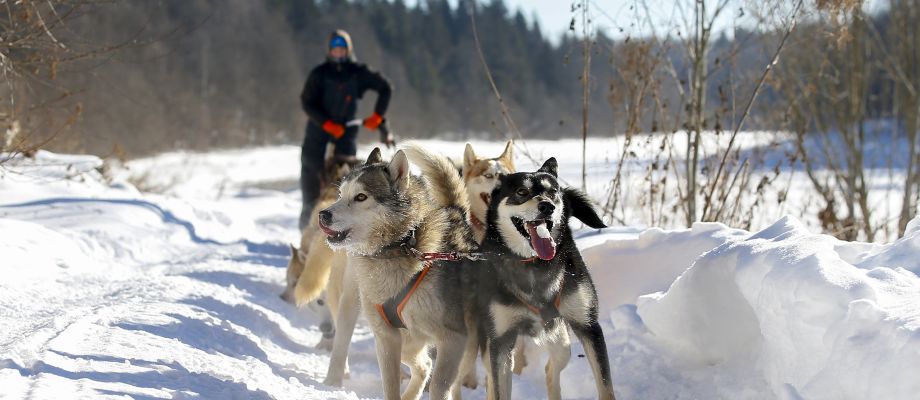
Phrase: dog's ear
x=582 y=209
x=344 y=169
x=399 y=169
x=507 y=157
x=550 y=167
x=469 y=158
x=295 y=252
x=375 y=157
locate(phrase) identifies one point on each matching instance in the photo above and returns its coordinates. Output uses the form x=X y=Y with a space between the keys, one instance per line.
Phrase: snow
x=108 y=291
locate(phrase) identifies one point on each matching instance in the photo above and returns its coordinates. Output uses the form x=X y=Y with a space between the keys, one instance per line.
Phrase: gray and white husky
x=391 y=223
x=535 y=282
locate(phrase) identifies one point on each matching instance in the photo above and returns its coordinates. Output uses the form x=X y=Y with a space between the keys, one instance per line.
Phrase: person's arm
x=373 y=80
x=311 y=99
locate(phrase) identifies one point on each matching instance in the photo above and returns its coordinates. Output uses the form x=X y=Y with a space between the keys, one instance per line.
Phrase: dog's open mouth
x=538 y=231
x=486 y=198
x=333 y=236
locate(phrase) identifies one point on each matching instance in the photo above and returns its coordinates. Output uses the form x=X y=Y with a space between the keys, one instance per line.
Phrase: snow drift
x=801 y=311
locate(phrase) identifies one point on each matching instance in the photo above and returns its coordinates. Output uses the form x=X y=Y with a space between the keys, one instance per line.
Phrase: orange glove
x=373 y=121
x=334 y=129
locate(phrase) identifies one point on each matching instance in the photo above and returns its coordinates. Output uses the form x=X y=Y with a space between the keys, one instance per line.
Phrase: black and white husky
x=535 y=282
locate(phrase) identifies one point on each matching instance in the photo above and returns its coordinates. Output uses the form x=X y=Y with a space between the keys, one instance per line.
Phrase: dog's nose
x=325 y=217
x=545 y=207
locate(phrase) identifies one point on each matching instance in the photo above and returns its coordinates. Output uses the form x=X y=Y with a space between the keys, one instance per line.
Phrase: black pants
x=312 y=162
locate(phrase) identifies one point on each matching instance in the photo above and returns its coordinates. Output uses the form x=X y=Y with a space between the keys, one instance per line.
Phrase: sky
x=621 y=18
x=615 y=18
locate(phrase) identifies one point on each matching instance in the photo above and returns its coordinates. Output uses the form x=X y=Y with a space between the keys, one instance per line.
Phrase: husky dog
x=392 y=224
x=480 y=175
x=535 y=282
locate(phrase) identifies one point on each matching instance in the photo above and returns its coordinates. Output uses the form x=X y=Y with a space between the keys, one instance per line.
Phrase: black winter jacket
x=333 y=88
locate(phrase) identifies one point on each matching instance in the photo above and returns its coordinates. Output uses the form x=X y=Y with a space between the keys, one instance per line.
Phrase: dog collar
x=477 y=223
x=405 y=247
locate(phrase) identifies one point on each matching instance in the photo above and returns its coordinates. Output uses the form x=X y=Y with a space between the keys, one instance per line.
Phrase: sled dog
x=480 y=175
x=535 y=282
x=400 y=231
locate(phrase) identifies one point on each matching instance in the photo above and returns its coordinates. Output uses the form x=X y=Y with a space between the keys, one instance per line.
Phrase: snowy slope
x=107 y=292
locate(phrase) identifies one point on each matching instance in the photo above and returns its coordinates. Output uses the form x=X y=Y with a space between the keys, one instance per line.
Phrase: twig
x=750 y=104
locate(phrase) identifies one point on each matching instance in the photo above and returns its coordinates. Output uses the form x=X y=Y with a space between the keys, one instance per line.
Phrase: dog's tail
x=448 y=188
x=315 y=275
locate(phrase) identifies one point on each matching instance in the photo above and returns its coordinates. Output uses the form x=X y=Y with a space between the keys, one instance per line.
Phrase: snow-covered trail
x=107 y=292
x=115 y=292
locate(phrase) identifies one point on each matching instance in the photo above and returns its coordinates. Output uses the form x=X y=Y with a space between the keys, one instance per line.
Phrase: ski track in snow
x=109 y=292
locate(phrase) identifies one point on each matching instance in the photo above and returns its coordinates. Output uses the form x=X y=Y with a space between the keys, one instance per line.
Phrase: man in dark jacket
x=330 y=100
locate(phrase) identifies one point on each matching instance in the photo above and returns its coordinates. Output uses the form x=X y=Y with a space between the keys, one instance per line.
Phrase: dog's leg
x=415 y=355
x=520 y=359
x=389 y=348
x=327 y=327
x=559 y=348
x=487 y=364
x=450 y=352
x=468 y=363
x=345 y=321
x=592 y=339
x=500 y=349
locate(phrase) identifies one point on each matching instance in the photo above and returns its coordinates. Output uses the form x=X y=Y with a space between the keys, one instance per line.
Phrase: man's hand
x=334 y=129
x=386 y=137
x=373 y=122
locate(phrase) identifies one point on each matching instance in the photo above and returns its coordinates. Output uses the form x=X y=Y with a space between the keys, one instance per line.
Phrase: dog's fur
x=381 y=205
x=517 y=276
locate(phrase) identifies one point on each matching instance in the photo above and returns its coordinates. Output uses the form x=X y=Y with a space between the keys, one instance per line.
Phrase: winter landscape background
x=758 y=164
x=110 y=291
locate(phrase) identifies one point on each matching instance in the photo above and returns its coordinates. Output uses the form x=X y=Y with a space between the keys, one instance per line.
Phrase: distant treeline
x=227 y=73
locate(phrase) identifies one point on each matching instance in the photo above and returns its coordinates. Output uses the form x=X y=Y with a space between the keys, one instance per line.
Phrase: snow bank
x=628 y=266
x=782 y=304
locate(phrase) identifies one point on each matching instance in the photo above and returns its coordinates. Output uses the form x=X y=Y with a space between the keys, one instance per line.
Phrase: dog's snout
x=545 y=207
x=325 y=217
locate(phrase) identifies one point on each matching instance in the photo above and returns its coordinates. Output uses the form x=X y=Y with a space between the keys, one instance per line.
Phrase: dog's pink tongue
x=544 y=246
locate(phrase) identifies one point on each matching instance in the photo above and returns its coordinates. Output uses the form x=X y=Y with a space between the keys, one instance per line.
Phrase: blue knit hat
x=338 y=41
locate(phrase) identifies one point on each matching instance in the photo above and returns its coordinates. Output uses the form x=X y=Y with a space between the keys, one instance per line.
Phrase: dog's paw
x=330 y=381
x=325 y=344
x=520 y=361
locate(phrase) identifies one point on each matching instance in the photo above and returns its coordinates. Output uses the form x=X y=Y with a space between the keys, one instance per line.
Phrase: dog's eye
x=489 y=176
x=361 y=197
x=522 y=192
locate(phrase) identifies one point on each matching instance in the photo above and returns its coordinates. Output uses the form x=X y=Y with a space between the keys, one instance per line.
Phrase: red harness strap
x=391 y=310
